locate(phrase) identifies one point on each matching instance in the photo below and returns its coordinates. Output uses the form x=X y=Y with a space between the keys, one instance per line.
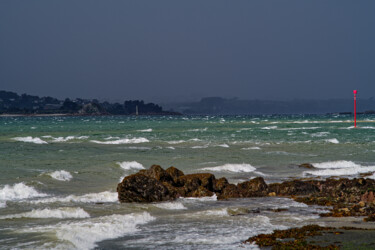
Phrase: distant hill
x=12 y=103
x=222 y=106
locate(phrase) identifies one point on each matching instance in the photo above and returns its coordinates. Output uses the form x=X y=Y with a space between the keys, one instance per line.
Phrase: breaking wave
x=170 y=205
x=236 y=168
x=35 y=140
x=18 y=191
x=60 y=213
x=61 y=175
x=123 y=141
x=127 y=165
x=86 y=198
x=339 y=168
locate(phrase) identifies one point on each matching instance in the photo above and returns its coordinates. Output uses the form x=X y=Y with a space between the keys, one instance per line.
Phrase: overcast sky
x=180 y=50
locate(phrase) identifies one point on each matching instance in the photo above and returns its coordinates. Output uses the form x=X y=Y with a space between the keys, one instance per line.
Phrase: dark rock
x=191 y=182
x=142 y=188
x=306 y=165
x=158 y=173
x=174 y=173
x=295 y=187
x=229 y=191
x=220 y=184
x=256 y=187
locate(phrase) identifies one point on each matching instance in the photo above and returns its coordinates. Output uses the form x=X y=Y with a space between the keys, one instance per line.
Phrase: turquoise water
x=59 y=176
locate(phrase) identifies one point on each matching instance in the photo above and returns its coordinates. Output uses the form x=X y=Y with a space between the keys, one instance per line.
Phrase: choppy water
x=59 y=176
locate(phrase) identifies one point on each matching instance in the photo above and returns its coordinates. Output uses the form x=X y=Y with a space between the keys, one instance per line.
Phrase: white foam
x=205 y=198
x=176 y=142
x=320 y=134
x=270 y=127
x=18 y=191
x=237 y=168
x=371 y=176
x=339 y=168
x=3 y=204
x=68 y=138
x=223 y=145
x=60 y=213
x=213 y=212
x=61 y=175
x=123 y=141
x=128 y=165
x=170 y=205
x=145 y=130
x=251 y=148
x=35 y=140
x=198 y=147
x=334 y=141
x=198 y=130
x=86 y=233
x=105 y=197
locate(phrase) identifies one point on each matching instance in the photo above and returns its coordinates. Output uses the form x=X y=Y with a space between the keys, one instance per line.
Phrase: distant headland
x=13 y=104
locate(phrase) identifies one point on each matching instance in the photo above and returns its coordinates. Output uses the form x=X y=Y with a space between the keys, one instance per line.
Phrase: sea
x=59 y=176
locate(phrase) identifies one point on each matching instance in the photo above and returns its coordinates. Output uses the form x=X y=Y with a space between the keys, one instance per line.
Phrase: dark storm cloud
x=166 y=49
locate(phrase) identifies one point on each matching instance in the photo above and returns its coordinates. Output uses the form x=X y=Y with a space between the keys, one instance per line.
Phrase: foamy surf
x=59 y=213
x=128 y=165
x=170 y=205
x=333 y=140
x=86 y=233
x=61 y=175
x=145 y=130
x=236 y=168
x=30 y=139
x=18 y=191
x=339 y=168
x=123 y=141
x=103 y=197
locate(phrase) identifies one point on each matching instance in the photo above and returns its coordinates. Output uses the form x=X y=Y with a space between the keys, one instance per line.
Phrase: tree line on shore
x=12 y=103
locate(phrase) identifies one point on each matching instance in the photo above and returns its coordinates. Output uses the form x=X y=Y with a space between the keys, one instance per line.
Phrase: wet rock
x=306 y=165
x=142 y=188
x=368 y=197
x=191 y=182
x=220 y=184
x=256 y=187
x=230 y=191
x=174 y=173
x=158 y=173
x=295 y=187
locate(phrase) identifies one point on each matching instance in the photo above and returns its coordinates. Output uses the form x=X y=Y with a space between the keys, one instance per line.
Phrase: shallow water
x=59 y=176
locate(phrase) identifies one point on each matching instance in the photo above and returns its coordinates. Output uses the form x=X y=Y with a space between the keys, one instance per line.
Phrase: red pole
x=355 y=108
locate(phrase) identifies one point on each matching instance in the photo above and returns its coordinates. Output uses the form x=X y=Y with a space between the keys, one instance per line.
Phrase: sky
x=184 y=50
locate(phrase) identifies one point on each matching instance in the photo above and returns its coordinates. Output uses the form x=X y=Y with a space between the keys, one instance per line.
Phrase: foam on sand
x=86 y=233
x=339 y=168
x=18 y=191
x=170 y=205
x=60 y=213
x=123 y=141
x=128 y=165
x=61 y=175
x=236 y=168
x=102 y=197
x=35 y=140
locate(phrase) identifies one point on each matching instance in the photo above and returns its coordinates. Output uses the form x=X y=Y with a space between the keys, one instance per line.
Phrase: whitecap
x=145 y=130
x=35 y=140
x=171 y=148
x=251 y=148
x=123 y=141
x=198 y=130
x=60 y=213
x=68 y=138
x=103 y=197
x=3 y=204
x=204 y=199
x=334 y=141
x=320 y=134
x=237 y=168
x=176 y=142
x=61 y=175
x=270 y=127
x=199 y=147
x=170 y=205
x=18 y=191
x=213 y=212
x=86 y=233
x=127 y=165
x=339 y=168
x=223 y=145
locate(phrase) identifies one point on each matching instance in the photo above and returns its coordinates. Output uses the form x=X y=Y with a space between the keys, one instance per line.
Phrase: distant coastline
x=12 y=104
